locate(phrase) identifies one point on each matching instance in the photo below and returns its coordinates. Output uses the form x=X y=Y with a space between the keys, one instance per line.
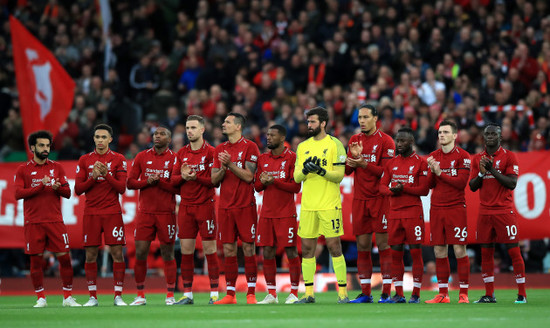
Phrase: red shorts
x=497 y=228
x=194 y=219
x=406 y=231
x=149 y=225
x=239 y=222
x=370 y=215
x=110 y=224
x=277 y=232
x=448 y=225
x=52 y=236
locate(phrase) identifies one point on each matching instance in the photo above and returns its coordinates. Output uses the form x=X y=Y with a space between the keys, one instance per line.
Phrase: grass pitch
x=17 y=311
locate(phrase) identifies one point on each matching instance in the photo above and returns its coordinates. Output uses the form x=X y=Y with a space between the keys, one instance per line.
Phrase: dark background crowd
x=418 y=62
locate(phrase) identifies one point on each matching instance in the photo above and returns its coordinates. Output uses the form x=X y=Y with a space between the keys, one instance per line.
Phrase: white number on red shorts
x=65 y=238
x=253 y=230
x=461 y=233
x=418 y=231
x=512 y=230
x=290 y=233
x=171 y=230
x=210 y=225
x=119 y=232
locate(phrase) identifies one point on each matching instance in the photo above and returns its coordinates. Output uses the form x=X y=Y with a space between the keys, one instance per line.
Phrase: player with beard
x=450 y=166
x=101 y=175
x=495 y=174
x=40 y=183
x=150 y=174
x=320 y=165
x=234 y=167
x=368 y=153
x=196 y=215
x=405 y=179
x=277 y=224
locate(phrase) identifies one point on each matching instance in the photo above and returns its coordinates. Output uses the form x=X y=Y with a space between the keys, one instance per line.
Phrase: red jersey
x=101 y=194
x=201 y=190
x=41 y=202
x=278 y=201
x=234 y=192
x=448 y=188
x=158 y=198
x=412 y=172
x=494 y=197
x=378 y=149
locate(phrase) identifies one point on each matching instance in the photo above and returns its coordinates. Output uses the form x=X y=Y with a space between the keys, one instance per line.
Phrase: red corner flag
x=46 y=91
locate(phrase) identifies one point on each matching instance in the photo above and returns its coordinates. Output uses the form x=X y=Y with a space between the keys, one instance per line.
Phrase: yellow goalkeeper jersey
x=319 y=192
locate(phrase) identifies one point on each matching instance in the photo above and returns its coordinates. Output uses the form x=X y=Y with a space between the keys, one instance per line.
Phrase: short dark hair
x=495 y=125
x=320 y=112
x=197 y=118
x=280 y=128
x=41 y=134
x=167 y=130
x=373 y=109
x=406 y=130
x=239 y=119
x=450 y=123
x=103 y=126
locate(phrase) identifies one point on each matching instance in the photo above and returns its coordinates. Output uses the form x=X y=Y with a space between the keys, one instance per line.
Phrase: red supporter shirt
x=41 y=202
x=378 y=149
x=278 y=200
x=158 y=198
x=101 y=194
x=234 y=192
x=494 y=197
x=201 y=190
x=448 y=188
x=412 y=172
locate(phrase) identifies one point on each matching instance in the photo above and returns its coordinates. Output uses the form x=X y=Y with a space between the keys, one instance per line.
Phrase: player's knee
x=291 y=252
x=249 y=249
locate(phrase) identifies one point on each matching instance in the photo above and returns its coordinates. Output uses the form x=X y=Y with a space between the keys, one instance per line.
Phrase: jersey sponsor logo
x=34 y=172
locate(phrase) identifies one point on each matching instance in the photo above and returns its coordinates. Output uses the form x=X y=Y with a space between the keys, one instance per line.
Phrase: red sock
x=417 y=270
x=213 y=271
x=463 y=268
x=270 y=271
x=295 y=269
x=231 y=273
x=443 y=271
x=140 y=272
x=385 y=269
x=119 y=270
x=91 y=278
x=397 y=271
x=519 y=269
x=187 y=271
x=66 y=272
x=170 y=273
x=251 y=273
x=37 y=275
x=488 y=270
x=364 y=268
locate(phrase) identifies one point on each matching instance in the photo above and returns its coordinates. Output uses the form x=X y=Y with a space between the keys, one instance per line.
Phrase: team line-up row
x=389 y=179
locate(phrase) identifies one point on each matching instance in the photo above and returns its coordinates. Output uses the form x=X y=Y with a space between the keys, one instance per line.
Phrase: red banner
x=46 y=91
x=530 y=198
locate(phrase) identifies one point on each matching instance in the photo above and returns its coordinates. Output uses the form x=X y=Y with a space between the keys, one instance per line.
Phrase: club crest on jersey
x=374 y=148
x=497 y=164
x=203 y=159
x=166 y=163
x=51 y=172
x=109 y=166
x=283 y=165
x=452 y=164
x=411 y=168
x=325 y=152
x=240 y=156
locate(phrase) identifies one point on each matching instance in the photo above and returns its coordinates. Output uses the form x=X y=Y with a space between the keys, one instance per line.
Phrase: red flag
x=46 y=91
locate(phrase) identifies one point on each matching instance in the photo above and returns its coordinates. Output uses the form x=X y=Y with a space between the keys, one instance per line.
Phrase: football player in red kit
x=101 y=176
x=41 y=183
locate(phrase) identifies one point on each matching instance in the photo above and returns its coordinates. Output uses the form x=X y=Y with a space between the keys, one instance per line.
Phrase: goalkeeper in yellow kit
x=320 y=164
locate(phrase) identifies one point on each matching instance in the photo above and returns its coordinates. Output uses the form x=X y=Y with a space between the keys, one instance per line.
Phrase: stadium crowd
x=418 y=62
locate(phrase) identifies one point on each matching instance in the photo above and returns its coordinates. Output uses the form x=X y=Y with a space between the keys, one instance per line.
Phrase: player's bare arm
x=217 y=175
